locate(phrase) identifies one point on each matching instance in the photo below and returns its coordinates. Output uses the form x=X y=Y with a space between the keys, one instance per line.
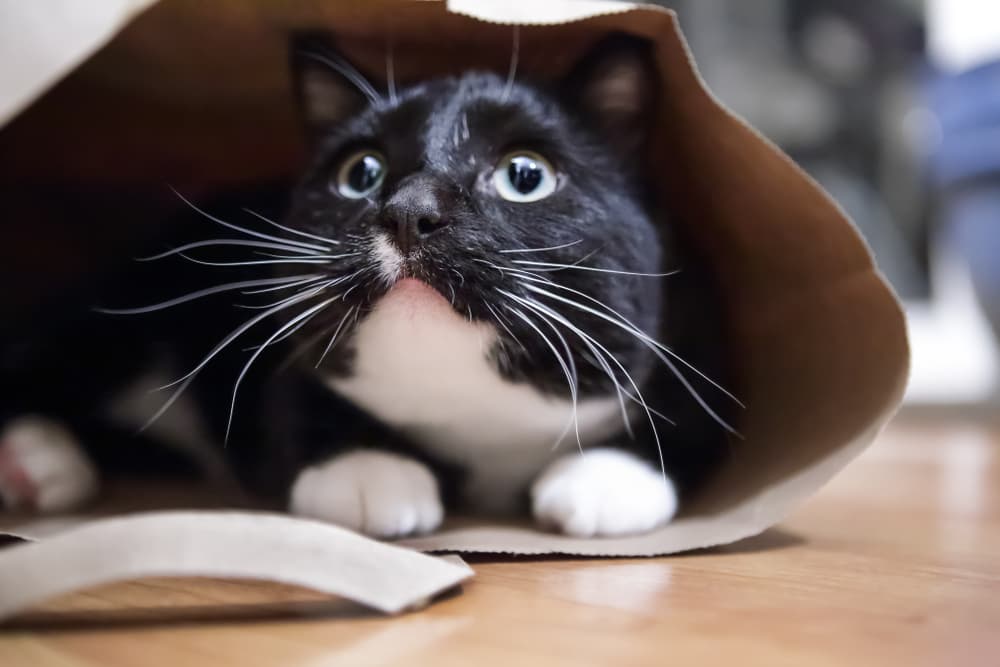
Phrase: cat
x=480 y=300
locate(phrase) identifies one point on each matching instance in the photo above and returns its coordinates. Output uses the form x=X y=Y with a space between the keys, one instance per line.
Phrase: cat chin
x=414 y=288
x=411 y=297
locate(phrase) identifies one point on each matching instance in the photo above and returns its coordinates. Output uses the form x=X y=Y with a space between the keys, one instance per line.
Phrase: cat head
x=523 y=204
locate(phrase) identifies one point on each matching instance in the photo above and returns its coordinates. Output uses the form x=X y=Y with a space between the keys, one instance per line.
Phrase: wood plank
x=895 y=562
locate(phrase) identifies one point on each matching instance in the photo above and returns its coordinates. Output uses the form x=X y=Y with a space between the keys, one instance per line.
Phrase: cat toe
x=603 y=493
x=42 y=467
x=377 y=493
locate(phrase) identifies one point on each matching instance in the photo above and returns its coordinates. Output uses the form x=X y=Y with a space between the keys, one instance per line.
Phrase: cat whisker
x=560 y=267
x=259 y=262
x=306 y=279
x=327 y=285
x=287 y=334
x=236 y=386
x=593 y=346
x=183 y=382
x=350 y=276
x=347 y=71
x=268 y=305
x=327 y=257
x=648 y=340
x=589 y=340
x=249 y=232
x=554 y=247
x=652 y=411
x=335 y=336
x=502 y=322
x=304 y=347
x=562 y=364
x=515 y=54
x=568 y=365
x=222 y=242
x=634 y=329
x=390 y=71
x=298 y=232
x=563 y=267
x=598 y=357
x=505 y=270
x=350 y=289
x=490 y=264
x=282 y=283
x=658 y=349
x=242 y=329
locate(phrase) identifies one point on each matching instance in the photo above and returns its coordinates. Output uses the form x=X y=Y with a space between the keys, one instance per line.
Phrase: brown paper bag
x=818 y=335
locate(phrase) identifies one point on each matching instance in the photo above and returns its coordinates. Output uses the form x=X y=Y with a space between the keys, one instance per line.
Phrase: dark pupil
x=365 y=173
x=524 y=174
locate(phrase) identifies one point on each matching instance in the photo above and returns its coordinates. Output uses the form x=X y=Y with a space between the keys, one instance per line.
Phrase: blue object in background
x=972 y=216
x=965 y=167
x=967 y=106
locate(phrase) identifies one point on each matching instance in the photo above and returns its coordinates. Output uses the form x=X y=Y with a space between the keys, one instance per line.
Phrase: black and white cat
x=481 y=305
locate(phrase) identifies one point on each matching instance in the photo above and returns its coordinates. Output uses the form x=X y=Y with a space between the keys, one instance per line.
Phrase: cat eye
x=361 y=174
x=524 y=176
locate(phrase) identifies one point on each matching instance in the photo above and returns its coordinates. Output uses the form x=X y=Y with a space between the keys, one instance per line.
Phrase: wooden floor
x=897 y=562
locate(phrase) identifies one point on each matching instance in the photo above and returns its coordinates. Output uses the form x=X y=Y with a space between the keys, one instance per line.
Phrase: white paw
x=42 y=467
x=377 y=493
x=604 y=492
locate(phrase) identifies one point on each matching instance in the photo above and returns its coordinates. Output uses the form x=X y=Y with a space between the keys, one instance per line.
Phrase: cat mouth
x=412 y=277
x=412 y=287
x=412 y=299
x=415 y=278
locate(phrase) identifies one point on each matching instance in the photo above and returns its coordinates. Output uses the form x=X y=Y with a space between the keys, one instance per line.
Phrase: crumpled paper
x=818 y=336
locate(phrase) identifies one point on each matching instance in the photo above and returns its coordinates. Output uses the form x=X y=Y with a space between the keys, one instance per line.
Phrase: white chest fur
x=424 y=370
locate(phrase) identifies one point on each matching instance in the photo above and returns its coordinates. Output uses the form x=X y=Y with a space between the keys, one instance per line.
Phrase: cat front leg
x=378 y=493
x=43 y=467
x=604 y=492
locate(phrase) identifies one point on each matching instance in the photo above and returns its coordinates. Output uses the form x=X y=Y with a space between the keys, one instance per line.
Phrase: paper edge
x=17 y=95
x=554 y=12
x=230 y=544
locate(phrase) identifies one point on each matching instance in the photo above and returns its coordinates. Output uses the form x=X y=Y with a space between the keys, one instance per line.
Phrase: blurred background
x=894 y=107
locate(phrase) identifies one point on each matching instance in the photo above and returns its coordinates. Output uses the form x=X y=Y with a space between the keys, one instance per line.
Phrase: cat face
x=521 y=205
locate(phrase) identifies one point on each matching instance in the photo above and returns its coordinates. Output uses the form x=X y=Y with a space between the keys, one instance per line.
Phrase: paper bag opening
x=818 y=337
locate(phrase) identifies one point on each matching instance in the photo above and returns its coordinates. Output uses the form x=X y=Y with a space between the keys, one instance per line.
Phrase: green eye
x=524 y=176
x=361 y=174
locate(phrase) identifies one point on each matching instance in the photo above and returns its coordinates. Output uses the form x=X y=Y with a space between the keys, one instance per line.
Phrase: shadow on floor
x=769 y=540
x=124 y=617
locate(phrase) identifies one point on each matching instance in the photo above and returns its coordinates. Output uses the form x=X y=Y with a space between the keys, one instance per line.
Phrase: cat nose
x=413 y=212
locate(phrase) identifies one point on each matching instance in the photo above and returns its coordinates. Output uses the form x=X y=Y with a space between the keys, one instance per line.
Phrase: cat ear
x=328 y=89
x=614 y=85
